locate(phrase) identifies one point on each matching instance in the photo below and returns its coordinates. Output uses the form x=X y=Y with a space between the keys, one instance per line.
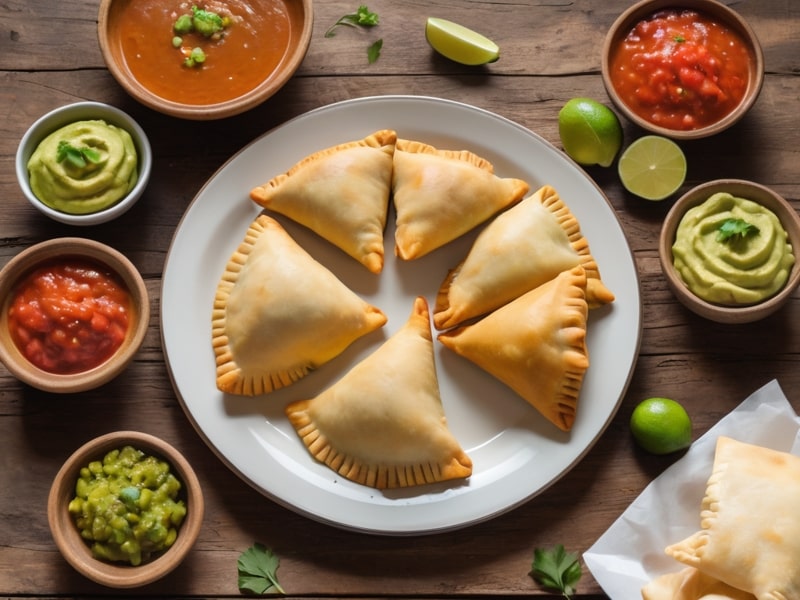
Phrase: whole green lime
x=661 y=426
x=590 y=132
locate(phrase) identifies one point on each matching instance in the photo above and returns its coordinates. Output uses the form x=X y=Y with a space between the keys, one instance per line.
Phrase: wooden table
x=49 y=57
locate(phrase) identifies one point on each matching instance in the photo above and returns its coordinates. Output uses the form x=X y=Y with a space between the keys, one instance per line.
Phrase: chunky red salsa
x=69 y=316
x=681 y=70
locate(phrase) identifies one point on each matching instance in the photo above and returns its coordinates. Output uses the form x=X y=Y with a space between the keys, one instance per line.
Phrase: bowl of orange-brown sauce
x=204 y=60
x=684 y=69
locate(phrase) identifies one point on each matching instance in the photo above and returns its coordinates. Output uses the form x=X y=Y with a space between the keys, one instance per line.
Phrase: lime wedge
x=652 y=167
x=459 y=43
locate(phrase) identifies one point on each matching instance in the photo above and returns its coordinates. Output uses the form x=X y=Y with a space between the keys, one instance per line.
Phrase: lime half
x=459 y=43
x=652 y=167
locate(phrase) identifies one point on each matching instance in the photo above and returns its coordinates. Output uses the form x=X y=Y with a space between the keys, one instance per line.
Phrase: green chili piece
x=183 y=24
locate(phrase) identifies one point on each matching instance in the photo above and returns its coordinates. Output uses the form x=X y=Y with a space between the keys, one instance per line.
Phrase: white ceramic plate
x=516 y=454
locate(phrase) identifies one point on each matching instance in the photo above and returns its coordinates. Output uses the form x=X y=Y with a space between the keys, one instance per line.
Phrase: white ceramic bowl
x=72 y=113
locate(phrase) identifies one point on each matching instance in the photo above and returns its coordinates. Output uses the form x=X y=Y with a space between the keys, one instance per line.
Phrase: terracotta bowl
x=711 y=8
x=27 y=260
x=111 y=21
x=742 y=189
x=71 y=113
x=78 y=553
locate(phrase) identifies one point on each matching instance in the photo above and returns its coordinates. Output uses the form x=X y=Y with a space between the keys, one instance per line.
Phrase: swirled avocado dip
x=84 y=167
x=732 y=251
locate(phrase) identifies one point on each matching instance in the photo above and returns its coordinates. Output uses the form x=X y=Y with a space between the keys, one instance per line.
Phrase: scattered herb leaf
x=258 y=568
x=679 y=39
x=557 y=569
x=374 y=51
x=363 y=17
x=77 y=157
x=735 y=229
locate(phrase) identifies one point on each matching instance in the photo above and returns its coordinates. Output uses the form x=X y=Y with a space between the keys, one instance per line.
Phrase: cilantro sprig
x=258 y=570
x=733 y=230
x=556 y=568
x=363 y=17
x=77 y=157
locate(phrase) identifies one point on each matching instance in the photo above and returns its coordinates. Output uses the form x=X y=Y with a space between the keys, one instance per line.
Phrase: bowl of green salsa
x=125 y=509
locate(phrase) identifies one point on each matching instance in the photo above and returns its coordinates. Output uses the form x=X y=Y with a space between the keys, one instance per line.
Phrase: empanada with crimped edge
x=341 y=193
x=383 y=424
x=691 y=584
x=535 y=344
x=749 y=533
x=522 y=248
x=440 y=195
x=278 y=313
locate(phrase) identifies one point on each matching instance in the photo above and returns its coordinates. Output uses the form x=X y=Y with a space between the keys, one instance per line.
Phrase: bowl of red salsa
x=683 y=69
x=73 y=313
x=204 y=60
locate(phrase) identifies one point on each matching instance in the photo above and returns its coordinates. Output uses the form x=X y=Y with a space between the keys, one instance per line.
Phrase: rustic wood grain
x=49 y=56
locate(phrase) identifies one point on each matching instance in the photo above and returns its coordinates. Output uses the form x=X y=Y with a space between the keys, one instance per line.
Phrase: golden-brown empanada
x=278 y=313
x=527 y=245
x=691 y=584
x=341 y=193
x=535 y=344
x=382 y=424
x=441 y=194
x=750 y=531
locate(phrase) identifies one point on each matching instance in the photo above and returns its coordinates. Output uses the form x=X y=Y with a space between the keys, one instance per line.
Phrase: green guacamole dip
x=737 y=271
x=127 y=506
x=101 y=182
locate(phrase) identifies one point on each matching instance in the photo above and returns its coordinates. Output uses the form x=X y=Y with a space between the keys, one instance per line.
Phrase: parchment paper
x=631 y=552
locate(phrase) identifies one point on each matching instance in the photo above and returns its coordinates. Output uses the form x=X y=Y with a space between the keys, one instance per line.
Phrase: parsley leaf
x=374 y=51
x=77 y=157
x=556 y=569
x=363 y=17
x=258 y=568
x=735 y=229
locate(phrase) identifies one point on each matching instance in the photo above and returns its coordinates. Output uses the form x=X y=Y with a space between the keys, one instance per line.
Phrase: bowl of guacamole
x=84 y=163
x=730 y=250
